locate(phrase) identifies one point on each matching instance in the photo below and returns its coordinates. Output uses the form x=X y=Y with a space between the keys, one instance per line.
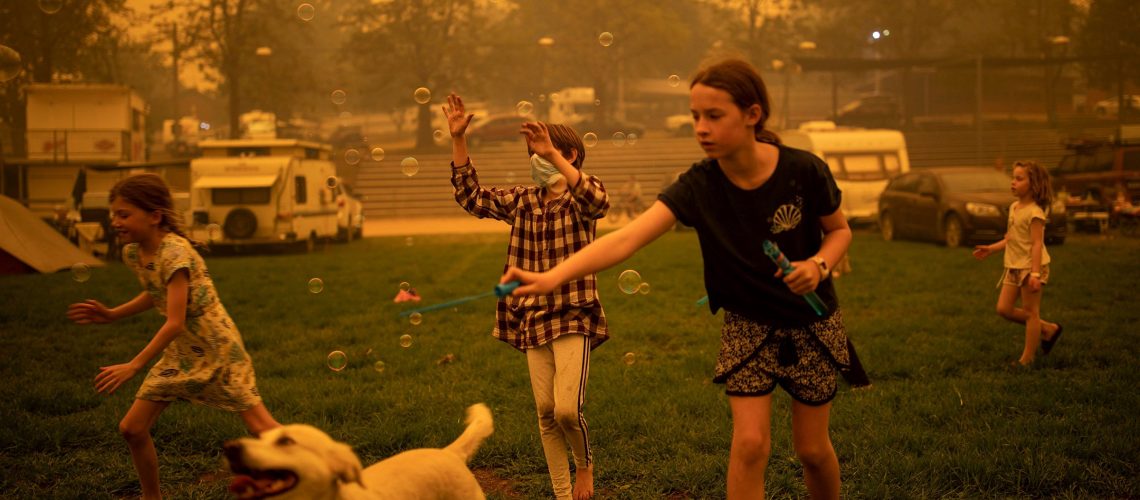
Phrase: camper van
x=263 y=191
x=861 y=160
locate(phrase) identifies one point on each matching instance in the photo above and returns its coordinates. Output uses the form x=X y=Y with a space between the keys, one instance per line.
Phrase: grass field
x=946 y=416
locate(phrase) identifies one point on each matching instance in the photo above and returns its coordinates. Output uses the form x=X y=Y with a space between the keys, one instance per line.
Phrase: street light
x=545 y=43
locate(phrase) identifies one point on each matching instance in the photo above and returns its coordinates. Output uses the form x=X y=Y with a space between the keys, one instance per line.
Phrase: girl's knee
x=133 y=431
x=1007 y=311
x=752 y=448
x=816 y=454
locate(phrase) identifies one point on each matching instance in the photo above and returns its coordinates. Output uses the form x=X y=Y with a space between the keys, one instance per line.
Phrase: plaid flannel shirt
x=543 y=234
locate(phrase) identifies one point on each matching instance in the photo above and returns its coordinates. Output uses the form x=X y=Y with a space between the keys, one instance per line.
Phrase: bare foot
x=584 y=483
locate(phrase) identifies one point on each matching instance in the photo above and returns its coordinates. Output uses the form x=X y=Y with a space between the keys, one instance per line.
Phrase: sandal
x=1047 y=345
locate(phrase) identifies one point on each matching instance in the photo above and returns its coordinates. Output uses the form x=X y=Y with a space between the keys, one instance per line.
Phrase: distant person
x=749 y=189
x=1026 y=259
x=631 y=205
x=203 y=358
x=551 y=220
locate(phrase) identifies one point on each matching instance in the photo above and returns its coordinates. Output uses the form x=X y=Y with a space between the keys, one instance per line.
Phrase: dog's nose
x=233 y=451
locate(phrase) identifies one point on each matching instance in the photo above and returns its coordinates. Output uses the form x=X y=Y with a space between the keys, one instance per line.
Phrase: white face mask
x=544 y=173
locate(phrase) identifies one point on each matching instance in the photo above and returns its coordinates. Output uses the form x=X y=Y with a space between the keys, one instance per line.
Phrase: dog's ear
x=344 y=463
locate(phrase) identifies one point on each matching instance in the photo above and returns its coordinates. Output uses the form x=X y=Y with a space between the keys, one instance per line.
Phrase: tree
x=1110 y=30
x=63 y=42
x=401 y=45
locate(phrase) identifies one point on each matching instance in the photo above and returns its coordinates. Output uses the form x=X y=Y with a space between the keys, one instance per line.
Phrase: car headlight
x=982 y=209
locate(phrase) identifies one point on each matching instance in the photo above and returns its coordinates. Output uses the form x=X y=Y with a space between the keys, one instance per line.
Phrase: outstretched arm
x=93 y=311
x=983 y=251
x=606 y=252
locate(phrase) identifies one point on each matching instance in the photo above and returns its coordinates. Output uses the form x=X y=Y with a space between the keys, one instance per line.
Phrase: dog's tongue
x=244 y=486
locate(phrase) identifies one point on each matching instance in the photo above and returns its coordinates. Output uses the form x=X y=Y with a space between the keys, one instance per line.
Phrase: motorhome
x=862 y=161
x=264 y=191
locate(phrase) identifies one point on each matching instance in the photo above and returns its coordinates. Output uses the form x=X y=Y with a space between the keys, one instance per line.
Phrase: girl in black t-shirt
x=750 y=189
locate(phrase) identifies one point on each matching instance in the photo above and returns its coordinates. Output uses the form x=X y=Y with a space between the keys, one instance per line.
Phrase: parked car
x=955 y=206
x=874 y=111
x=1111 y=106
x=496 y=128
x=680 y=125
x=1098 y=170
x=607 y=130
x=349 y=213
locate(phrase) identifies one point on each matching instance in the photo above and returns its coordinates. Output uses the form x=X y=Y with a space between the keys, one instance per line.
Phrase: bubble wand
x=501 y=290
x=778 y=258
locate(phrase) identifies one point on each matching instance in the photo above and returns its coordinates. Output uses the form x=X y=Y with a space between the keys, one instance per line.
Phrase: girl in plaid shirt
x=549 y=222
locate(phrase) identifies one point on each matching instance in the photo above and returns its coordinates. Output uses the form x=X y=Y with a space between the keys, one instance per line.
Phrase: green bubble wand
x=778 y=258
x=501 y=290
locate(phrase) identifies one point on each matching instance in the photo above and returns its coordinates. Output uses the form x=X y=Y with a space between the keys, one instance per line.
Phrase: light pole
x=543 y=108
x=1051 y=77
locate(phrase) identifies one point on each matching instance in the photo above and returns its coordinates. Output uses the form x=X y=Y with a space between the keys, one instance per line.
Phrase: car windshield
x=976 y=181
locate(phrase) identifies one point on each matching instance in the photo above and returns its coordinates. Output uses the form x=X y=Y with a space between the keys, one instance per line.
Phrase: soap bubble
x=606 y=39
x=524 y=108
x=331 y=182
x=306 y=12
x=379 y=366
x=416 y=318
x=628 y=281
x=597 y=102
x=338 y=97
x=405 y=341
x=510 y=177
x=337 y=361
x=50 y=7
x=629 y=358
x=80 y=272
x=619 y=139
x=422 y=95
x=631 y=139
x=643 y=289
x=674 y=80
x=9 y=63
x=316 y=285
x=439 y=136
x=590 y=139
x=409 y=241
x=352 y=157
x=405 y=286
x=409 y=166
x=541 y=97
x=214 y=232
x=377 y=154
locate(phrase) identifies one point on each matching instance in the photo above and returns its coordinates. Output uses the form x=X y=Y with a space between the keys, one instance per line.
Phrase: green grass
x=945 y=417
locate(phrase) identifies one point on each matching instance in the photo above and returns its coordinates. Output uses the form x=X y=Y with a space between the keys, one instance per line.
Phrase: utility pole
x=175 y=53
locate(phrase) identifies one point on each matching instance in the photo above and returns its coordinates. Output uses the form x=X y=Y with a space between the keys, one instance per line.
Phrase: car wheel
x=887 y=227
x=952 y=231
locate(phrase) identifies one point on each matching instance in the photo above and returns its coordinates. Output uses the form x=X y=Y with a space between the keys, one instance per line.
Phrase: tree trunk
x=424 y=138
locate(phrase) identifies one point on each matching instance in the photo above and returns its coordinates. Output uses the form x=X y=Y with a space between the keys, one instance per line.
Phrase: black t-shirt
x=732 y=224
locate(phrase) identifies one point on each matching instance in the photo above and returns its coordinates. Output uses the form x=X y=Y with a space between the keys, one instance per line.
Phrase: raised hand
x=538 y=139
x=457 y=117
x=90 y=311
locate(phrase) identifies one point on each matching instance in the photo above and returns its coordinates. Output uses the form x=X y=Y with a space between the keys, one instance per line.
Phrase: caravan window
x=301 y=194
x=240 y=196
x=864 y=166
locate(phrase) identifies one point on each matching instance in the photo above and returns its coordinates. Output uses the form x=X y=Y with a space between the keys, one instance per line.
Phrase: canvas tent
x=29 y=244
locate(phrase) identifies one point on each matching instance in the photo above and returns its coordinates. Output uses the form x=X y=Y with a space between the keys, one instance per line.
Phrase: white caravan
x=861 y=160
x=250 y=191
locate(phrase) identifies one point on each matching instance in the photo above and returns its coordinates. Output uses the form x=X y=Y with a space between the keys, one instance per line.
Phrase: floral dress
x=206 y=363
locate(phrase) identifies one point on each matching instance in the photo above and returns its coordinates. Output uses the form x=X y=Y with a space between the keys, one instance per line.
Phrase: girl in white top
x=1026 y=259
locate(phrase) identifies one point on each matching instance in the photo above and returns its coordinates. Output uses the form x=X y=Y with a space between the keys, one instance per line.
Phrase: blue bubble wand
x=501 y=290
x=778 y=258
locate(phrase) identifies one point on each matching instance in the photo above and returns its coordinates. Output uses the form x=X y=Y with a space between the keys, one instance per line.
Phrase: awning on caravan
x=234 y=181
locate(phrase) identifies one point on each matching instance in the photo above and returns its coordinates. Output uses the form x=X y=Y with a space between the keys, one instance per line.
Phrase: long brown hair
x=150 y=193
x=1040 y=186
x=744 y=84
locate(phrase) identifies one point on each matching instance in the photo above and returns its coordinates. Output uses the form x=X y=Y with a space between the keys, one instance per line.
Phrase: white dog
x=302 y=462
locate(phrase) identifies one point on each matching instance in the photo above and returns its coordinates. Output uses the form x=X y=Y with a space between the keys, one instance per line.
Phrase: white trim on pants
x=558 y=374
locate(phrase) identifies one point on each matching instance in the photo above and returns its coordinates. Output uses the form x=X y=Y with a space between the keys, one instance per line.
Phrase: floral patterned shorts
x=793 y=358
